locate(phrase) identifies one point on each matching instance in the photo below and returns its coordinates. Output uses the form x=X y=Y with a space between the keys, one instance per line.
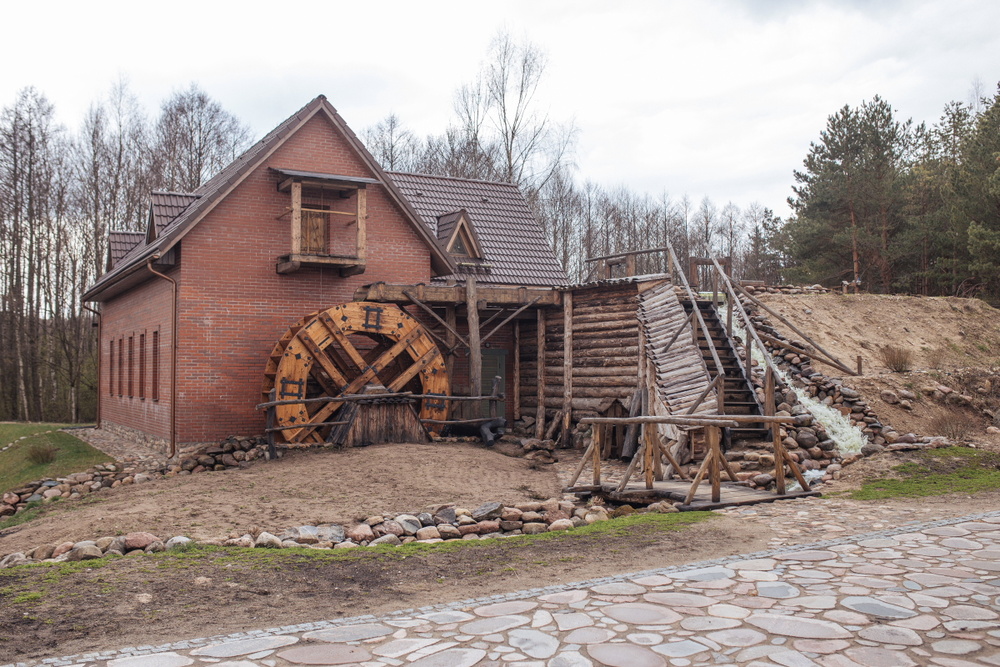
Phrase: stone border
x=500 y=597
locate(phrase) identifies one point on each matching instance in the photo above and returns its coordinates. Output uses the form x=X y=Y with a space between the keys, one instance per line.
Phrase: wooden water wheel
x=340 y=351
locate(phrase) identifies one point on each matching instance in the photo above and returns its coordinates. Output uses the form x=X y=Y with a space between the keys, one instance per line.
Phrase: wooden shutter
x=314 y=233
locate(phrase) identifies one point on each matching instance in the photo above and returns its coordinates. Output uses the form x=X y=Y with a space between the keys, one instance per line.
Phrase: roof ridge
x=176 y=193
x=451 y=178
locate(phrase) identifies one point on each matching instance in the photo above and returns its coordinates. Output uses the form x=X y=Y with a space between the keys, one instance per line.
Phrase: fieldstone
x=409 y=523
x=361 y=533
x=625 y=655
x=155 y=547
x=488 y=527
x=510 y=514
x=887 y=634
x=267 y=540
x=641 y=613
x=561 y=524
x=445 y=515
x=139 y=540
x=331 y=533
x=491 y=510
x=889 y=396
x=244 y=646
x=452 y=657
x=14 y=559
x=325 y=654
x=63 y=548
x=666 y=507
x=505 y=608
x=426 y=519
x=428 y=533
x=870 y=449
x=534 y=528
x=392 y=527
x=448 y=532
x=877 y=608
x=531 y=517
x=509 y=526
x=350 y=633
x=388 y=538
x=468 y=529
x=43 y=552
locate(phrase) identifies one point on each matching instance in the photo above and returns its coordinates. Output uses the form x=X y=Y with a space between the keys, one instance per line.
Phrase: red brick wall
x=233 y=306
x=142 y=310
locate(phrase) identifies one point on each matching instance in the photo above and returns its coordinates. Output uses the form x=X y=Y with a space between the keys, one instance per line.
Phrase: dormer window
x=459 y=237
x=327 y=214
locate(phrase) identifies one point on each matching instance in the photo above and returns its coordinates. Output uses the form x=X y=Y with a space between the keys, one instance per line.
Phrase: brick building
x=303 y=220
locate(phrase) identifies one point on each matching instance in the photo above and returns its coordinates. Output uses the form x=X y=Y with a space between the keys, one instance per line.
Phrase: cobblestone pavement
x=926 y=593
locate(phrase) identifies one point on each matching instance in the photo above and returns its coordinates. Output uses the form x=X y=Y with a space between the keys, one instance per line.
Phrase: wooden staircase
x=740 y=397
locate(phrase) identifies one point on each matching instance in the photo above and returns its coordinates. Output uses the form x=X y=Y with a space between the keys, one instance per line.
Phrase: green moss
x=937 y=472
x=31 y=596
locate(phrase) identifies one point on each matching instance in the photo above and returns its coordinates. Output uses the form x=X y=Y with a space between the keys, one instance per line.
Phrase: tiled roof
x=166 y=206
x=512 y=242
x=446 y=224
x=121 y=244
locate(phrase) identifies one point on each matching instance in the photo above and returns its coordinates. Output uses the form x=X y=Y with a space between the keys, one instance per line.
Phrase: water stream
x=849 y=438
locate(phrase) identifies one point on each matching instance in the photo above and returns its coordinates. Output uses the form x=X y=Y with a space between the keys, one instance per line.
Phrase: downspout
x=100 y=351
x=173 y=353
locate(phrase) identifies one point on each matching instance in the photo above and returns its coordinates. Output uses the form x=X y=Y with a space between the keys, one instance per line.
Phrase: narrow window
x=156 y=366
x=121 y=366
x=131 y=364
x=111 y=367
x=142 y=366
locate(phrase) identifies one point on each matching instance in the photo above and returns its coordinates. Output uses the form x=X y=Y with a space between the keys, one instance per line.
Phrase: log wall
x=605 y=352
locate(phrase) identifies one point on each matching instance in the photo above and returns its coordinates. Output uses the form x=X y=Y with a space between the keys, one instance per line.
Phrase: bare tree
x=395 y=147
x=195 y=138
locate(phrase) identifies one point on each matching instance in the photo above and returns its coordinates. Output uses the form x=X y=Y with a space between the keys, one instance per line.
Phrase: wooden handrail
x=721 y=391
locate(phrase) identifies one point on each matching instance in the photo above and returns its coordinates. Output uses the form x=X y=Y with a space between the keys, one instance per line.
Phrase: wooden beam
x=475 y=350
x=455 y=294
x=567 y=367
x=540 y=373
x=296 y=218
x=510 y=317
x=362 y=226
x=517 y=370
x=450 y=327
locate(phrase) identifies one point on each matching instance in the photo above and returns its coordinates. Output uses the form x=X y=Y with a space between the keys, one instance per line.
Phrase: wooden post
x=475 y=351
x=859 y=364
x=362 y=229
x=296 y=218
x=779 y=446
x=598 y=442
x=568 y=368
x=648 y=454
x=540 y=365
x=715 y=454
x=630 y=265
x=517 y=370
x=450 y=338
x=269 y=428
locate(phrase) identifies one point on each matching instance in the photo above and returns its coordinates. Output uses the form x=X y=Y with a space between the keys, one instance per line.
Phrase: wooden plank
x=517 y=370
x=296 y=218
x=362 y=237
x=567 y=367
x=715 y=454
x=455 y=294
x=342 y=341
x=475 y=351
x=540 y=370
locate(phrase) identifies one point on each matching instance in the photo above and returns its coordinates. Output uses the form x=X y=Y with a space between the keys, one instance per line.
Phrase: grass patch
x=68 y=454
x=31 y=511
x=935 y=473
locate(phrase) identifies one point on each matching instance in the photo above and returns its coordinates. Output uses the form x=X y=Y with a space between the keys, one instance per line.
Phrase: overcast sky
x=717 y=98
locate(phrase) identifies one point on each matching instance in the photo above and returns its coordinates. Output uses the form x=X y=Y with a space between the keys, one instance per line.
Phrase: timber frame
x=343 y=188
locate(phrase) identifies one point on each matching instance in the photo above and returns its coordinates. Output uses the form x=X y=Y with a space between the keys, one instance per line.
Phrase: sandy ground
x=303 y=487
x=943 y=332
x=953 y=341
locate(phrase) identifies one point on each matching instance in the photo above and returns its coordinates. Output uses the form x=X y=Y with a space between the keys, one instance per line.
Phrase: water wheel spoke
x=417 y=366
x=343 y=341
x=324 y=361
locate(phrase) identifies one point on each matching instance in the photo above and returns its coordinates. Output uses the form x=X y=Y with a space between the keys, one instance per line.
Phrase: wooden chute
x=341 y=350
